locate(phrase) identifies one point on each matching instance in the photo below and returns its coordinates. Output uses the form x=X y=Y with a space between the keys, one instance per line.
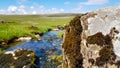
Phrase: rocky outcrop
x=18 y=59
x=93 y=40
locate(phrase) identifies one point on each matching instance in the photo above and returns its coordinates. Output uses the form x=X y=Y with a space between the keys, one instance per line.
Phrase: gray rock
x=106 y=21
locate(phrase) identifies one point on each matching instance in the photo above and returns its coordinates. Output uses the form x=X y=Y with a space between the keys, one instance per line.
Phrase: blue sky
x=53 y=6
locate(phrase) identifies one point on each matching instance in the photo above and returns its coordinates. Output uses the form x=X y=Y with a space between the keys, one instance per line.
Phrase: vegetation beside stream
x=15 y=26
x=19 y=25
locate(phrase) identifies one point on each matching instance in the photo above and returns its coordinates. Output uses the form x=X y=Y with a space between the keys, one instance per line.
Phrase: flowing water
x=48 y=41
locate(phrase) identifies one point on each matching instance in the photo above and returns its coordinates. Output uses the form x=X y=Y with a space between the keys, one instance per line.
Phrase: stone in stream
x=18 y=59
x=24 y=39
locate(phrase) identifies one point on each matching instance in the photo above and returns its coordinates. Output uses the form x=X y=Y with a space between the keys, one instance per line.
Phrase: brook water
x=49 y=41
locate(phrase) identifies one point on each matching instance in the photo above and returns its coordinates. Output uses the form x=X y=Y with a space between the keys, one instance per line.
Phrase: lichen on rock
x=95 y=37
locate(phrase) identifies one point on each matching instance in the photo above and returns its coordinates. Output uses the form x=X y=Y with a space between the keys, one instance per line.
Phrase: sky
x=53 y=6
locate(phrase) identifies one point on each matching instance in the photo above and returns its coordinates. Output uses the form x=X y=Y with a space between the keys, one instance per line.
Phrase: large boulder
x=93 y=40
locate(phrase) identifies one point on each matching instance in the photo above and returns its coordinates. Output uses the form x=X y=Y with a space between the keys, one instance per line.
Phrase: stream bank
x=45 y=49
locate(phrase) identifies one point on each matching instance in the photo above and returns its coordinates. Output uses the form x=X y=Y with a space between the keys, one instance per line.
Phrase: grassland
x=20 y=25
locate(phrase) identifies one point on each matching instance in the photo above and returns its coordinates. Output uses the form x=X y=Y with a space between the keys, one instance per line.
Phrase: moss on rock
x=100 y=39
x=21 y=59
x=72 y=43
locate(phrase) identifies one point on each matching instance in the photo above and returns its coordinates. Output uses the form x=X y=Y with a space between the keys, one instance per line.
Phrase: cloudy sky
x=53 y=6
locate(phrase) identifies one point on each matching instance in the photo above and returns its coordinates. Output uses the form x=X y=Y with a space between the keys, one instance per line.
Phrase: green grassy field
x=20 y=25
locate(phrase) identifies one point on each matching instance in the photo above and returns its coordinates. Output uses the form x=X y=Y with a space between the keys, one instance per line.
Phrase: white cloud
x=62 y=10
x=76 y=10
x=34 y=12
x=94 y=2
x=53 y=10
x=32 y=7
x=66 y=3
x=21 y=1
x=37 y=9
x=22 y=7
x=41 y=9
x=2 y=11
x=12 y=9
x=15 y=10
x=21 y=11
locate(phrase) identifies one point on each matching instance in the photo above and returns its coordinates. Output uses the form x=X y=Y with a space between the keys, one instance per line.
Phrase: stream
x=49 y=42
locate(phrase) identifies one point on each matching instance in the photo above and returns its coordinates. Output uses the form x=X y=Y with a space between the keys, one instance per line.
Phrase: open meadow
x=20 y=25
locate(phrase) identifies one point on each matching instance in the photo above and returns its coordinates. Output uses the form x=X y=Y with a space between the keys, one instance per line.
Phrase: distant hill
x=49 y=15
x=62 y=14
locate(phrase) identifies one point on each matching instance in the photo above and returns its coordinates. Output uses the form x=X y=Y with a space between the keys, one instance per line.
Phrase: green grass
x=19 y=25
x=1 y=51
x=60 y=34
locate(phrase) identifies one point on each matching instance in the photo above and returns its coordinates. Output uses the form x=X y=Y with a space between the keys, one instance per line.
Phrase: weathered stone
x=24 y=39
x=100 y=27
